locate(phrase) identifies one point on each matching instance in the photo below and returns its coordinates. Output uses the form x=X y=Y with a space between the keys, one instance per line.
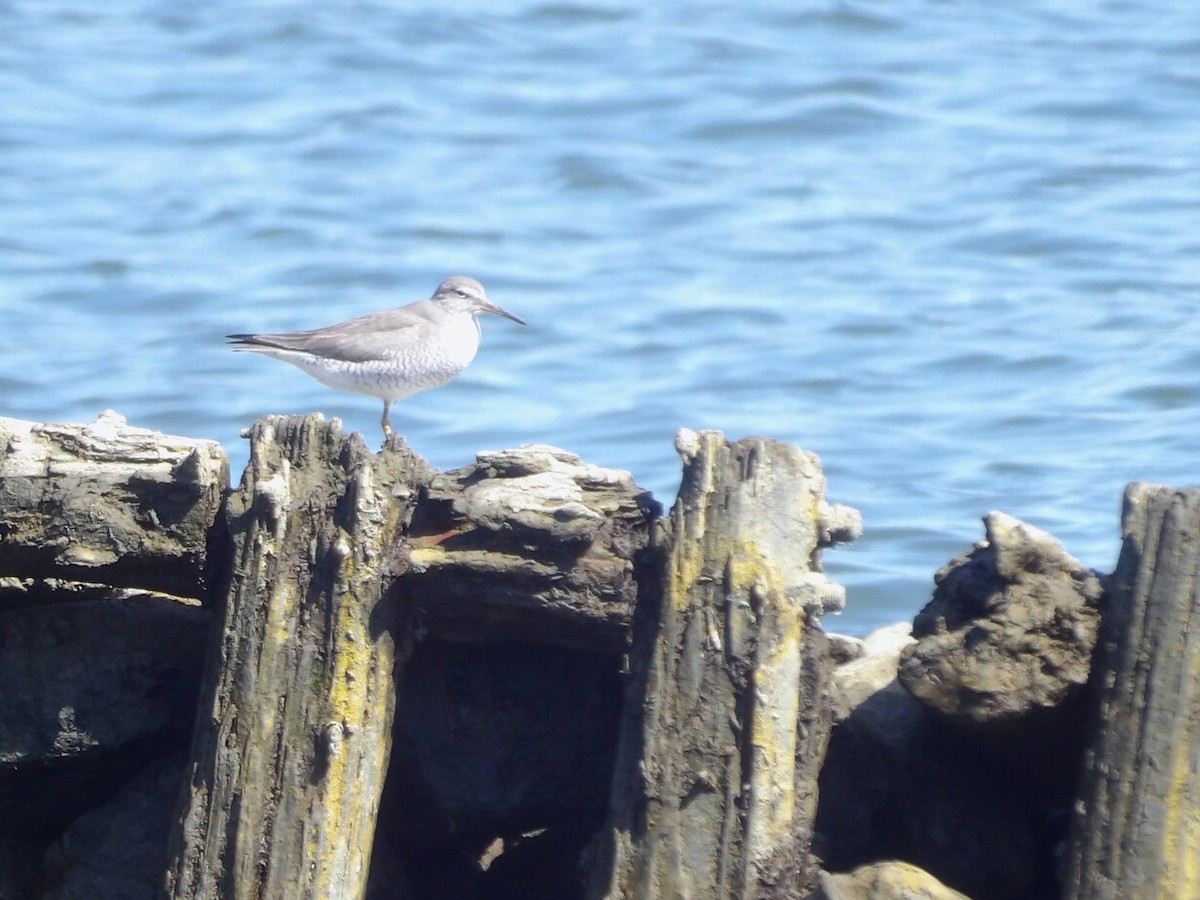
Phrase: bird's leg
x=385 y=422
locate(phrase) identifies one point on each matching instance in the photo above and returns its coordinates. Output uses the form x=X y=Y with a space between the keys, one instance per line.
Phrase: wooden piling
x=1136 y=829
x=295 y=722
x=726 y=718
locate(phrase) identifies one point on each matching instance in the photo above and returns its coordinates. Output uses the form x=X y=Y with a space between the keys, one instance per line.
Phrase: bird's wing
x=355 y=340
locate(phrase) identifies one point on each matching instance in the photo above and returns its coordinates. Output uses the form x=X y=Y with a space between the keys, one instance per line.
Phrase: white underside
x=396 y=374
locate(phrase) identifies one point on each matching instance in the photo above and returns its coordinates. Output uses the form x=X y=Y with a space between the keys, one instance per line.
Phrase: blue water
x=950 y=247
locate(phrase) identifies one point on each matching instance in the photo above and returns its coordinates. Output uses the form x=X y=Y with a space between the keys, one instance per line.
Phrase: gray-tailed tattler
x=391 y=354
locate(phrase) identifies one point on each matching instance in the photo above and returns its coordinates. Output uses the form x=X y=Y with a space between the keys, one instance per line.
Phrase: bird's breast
x=440 y=357
x=457 y=341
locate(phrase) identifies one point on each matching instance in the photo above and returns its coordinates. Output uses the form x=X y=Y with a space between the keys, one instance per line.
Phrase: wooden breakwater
x=354 y=676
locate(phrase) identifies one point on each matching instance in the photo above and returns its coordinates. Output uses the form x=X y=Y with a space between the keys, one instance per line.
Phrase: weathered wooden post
x=726 y=716
x=107 y=503
x=1137 y=823
x=295 y=724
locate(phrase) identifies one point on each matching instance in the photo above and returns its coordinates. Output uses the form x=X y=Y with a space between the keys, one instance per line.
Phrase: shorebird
x=391 y=354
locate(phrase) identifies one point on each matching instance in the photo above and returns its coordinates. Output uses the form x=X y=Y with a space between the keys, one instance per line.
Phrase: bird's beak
x=488 y=306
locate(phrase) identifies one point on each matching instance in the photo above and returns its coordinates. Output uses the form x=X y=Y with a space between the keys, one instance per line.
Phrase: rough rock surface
x=107 y=502
x=884 y=881
x=1005 y=645
x=899 y=783
x=96 y=682
x=1003 y=658
x=875 y=721
x=843 y=648
x=871 y=676
x=530 y=544
x=505 y=731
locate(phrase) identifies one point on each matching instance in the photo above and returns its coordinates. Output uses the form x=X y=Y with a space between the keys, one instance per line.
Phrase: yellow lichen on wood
x=357 y=661
x=1137 y=832
x=722 y=795
x=687 y=568
x=282 y=617
x=290 y=773
x=422 y=558
x=775 y=702
x=1182 y=830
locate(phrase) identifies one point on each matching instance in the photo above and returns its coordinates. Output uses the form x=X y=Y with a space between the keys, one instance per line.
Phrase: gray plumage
x=391 y=354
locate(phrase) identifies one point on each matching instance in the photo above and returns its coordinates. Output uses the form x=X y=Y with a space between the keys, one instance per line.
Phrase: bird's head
x=463 y=294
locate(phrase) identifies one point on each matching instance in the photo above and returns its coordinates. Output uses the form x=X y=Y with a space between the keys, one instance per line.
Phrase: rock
x=873 y=675
x=530 y=544
x=1010 y=628
x=899 y=783
x=887 y=639
x=291 y=745
x=1136 y=832
x=1004 y=648
x=877 y=723
x=109 y=503
x=891 y=880
x=967 y=779
x=843 y=648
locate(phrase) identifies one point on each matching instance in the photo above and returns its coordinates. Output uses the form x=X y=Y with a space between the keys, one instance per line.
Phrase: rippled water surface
x=951 y=248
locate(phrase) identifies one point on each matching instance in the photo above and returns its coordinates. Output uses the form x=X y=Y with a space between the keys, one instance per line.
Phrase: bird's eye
x=460 y=292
